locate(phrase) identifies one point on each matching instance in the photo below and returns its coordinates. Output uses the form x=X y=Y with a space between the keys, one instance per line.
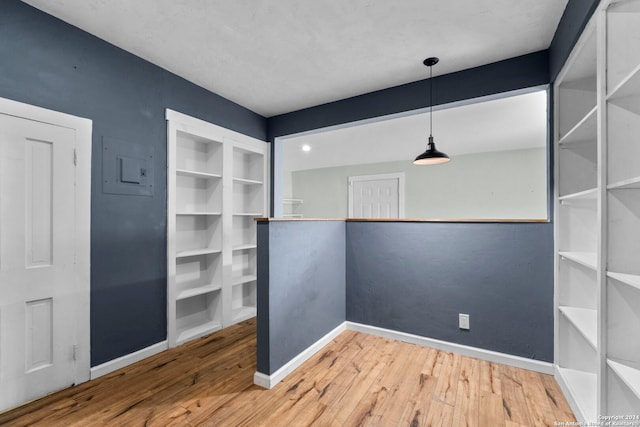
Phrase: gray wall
x=301 y=287
x=504 y=184
x=417 y=277
x=48 y=63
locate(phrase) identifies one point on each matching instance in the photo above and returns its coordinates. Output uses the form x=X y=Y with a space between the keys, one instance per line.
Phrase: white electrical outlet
x=463 y=321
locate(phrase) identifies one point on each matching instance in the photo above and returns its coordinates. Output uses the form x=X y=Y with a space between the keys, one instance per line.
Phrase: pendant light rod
x=430 y=62
x=431 y=156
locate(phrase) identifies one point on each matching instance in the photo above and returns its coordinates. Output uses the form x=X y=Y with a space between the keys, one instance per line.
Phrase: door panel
x=39 y=200
x=37 y=259
x=373 y=197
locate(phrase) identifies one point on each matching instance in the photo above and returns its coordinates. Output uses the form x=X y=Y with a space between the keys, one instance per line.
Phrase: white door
x=39 y=290
x=376 y=196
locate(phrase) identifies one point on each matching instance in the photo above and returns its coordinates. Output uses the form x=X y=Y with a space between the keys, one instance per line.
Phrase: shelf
x=244 y=279
x=243 y=300
x=588 y=259
x=195 y=155
x=583 y=387
x=254 y=214
x=590 y=194
x=293 y=201
x=628 y=372
x=584 y=130
x=198 y=315
x=197 y=194
x=246 y=181
x=577 y=168
x=188 y=293
x=197 y=272
x=623 y=33
x=578 y=285
x=198 y=174
x=632 y=280
x=583 y=60
x=199 y=330
x=195 y=252
x=248 y=166
x=623 y=124
x=243 y=264
x=195 y=232
x=209 y=213
x=630 y=86
x=623 y=321
x=623 y=231
x=243 y=313
x=293 y=216
x=245 y=247
x=248 y=198
x=627 y=184
x=585 y=320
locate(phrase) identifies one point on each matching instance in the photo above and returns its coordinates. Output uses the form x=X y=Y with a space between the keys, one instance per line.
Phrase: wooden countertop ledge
x=406 y=220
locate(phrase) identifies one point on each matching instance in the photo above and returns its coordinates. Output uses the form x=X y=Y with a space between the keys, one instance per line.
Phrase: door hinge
x=74 y=352
x=75 y=157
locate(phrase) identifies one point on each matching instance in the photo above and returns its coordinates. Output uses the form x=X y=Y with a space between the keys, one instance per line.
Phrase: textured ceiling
x=279 y=56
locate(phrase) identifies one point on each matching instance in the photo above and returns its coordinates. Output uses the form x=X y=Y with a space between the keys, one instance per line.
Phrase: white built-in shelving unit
x=217 y=185
x=249 y=178
x=622 y=281
x=597 y=151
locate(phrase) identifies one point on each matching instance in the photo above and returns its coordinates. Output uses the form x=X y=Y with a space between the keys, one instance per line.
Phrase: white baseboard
x=263 y=380
x=269 y=381
x=479 y=353
x=128 y=359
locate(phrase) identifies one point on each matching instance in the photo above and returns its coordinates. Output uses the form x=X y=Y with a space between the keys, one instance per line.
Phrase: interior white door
x=38 y=319
x=376 y=196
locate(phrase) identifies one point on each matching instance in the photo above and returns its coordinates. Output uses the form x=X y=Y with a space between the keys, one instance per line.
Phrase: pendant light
x=431 y=156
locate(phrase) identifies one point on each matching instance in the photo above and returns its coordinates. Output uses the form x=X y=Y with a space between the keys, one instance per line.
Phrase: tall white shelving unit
x=597 y=107
x=577 y=233
x=248 y=201
x=217 y=184
x=622 y=281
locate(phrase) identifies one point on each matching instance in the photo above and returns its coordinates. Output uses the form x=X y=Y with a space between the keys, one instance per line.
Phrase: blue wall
x=417 y=277
x=405 y=276
x=48 y=63
x=301 y=287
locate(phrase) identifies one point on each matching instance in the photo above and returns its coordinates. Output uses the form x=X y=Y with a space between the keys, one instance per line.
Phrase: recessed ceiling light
x=306 y=148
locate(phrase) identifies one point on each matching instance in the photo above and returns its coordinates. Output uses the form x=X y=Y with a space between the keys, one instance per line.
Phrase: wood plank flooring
x=356 y=380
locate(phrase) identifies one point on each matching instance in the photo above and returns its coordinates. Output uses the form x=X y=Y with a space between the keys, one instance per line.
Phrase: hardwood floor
x=357 y=380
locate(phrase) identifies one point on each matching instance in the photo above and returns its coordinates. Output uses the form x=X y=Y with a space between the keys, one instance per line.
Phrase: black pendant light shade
x=431 y=156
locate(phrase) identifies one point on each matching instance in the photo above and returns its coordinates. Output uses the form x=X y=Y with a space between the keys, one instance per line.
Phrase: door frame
x=81 y=245
x=396 y=175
